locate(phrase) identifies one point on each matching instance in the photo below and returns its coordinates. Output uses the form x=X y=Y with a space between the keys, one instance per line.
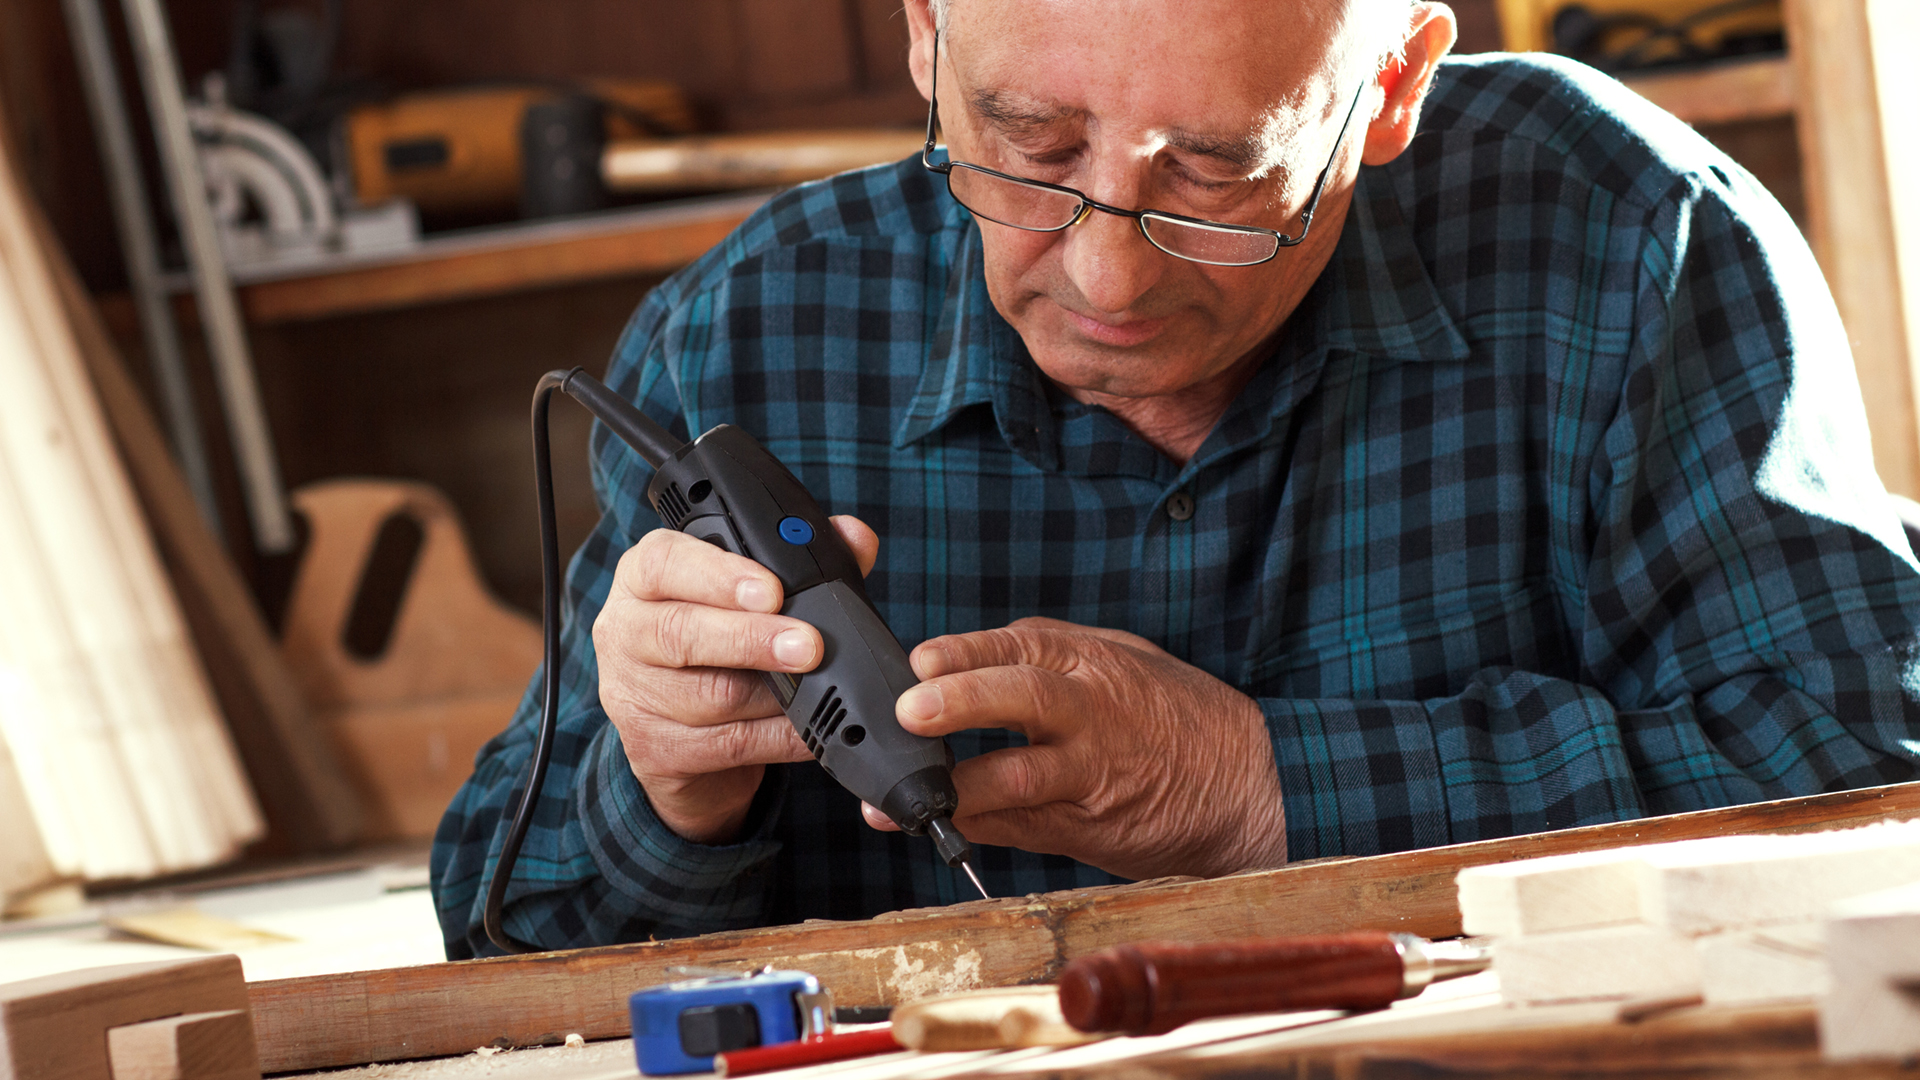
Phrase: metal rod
x=219 y=312
x=127 y=186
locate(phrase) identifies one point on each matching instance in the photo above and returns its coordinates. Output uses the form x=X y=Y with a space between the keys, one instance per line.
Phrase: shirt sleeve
x=597 y=867
x=1745 y=619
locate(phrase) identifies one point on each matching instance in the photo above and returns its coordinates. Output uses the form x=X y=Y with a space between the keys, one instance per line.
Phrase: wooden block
x=1631 y=961
x=995 y=1019
x=197 y=1046
x=1740 y=881
x=1770 y=964
x=1560 y=892
x=54 y=1027
x=1691 y=887
x=1872 y=1009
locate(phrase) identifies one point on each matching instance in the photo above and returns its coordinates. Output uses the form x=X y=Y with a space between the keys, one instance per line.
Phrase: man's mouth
x=1122 y=335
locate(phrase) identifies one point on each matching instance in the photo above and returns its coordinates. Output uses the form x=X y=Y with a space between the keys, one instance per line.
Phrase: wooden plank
x=535 y=259
x=55 y=1027
x=116 y=734
x=441 y=1009
x=195 y=1046
x=297 y=776
x=1862 y=178
x=1733 y=90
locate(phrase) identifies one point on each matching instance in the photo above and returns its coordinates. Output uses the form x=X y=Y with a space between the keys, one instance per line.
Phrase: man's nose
x=1111 y=261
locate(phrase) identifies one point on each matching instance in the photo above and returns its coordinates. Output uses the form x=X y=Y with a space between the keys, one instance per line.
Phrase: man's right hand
x=686 y=629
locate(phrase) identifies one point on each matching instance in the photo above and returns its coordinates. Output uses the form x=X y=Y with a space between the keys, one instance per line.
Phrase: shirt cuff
x=696 y=887
x=1357 y=777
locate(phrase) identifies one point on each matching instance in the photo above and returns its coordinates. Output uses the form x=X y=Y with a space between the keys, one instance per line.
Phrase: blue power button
x=796 y=530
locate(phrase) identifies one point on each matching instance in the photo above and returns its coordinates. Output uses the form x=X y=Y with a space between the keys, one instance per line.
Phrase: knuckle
x=669 y=633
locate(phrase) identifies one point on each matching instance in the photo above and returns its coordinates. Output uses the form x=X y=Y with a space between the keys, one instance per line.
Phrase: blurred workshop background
x=280 y=275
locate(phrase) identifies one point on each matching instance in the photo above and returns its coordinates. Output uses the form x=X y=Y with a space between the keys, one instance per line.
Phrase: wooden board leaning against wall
x=444 y=1009
x=1862 y=177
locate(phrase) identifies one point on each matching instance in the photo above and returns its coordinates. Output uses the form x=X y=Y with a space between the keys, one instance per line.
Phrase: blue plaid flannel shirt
x=1553 y=506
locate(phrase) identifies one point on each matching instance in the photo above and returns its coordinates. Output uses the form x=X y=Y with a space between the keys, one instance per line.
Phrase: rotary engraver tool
x=725 y=488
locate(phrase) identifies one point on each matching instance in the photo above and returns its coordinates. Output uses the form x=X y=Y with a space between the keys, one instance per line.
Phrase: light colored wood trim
x=1733 y=90
x=441 y=1009
x=757 y=159
x=1847 y=109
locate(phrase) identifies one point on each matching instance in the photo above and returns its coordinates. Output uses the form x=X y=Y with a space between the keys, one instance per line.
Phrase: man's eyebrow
x=1249 y=153
x=1013 y=113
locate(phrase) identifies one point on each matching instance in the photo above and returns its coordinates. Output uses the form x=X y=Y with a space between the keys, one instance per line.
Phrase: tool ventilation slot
x=672 y=506
x=825 y=720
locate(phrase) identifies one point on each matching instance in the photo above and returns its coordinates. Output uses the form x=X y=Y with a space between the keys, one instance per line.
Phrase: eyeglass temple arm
x=1313 y=200
x=933 y=97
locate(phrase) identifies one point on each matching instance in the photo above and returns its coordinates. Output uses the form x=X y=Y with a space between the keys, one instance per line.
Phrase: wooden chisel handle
x=1152 y=988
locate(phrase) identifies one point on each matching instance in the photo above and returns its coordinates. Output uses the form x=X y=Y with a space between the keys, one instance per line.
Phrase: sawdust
x=609 y=1060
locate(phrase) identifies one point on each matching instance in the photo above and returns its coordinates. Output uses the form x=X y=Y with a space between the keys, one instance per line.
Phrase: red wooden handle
x=1155 y=987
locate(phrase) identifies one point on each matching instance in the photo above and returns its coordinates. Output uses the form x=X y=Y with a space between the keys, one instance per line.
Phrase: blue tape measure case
x=679 y=1026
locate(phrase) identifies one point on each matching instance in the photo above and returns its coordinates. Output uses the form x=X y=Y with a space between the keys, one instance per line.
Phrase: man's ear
x=1404 y=82
x=920 y=47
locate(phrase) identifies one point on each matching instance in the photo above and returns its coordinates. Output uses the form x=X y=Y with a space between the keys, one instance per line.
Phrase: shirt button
x=1180 y=506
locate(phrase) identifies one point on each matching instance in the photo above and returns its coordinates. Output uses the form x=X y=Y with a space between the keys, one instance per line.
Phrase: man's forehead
x=1227 y=79
x=1245 y=143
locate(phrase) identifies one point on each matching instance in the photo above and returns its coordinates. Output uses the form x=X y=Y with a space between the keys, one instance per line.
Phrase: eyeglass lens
x=1042 y=209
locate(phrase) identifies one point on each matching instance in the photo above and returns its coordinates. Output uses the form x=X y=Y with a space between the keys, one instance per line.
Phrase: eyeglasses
x=1037 y=206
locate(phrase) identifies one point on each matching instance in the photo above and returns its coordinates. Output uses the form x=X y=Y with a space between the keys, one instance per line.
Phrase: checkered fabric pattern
x=1552 y=507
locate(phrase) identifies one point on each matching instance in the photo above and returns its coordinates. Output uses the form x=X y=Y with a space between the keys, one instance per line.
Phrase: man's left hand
x=1137 y=763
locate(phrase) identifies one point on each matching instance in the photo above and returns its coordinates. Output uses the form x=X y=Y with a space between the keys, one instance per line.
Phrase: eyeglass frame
x=1139 y=217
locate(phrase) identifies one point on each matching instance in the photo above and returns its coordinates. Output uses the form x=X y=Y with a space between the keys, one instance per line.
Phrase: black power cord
x=549 y=665
x=655 y=444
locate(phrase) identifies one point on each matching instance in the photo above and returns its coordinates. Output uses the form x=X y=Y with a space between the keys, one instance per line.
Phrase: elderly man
x=1278 y=443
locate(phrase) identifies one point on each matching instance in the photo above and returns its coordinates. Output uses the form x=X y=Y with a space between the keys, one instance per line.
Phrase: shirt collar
x=1375 y=298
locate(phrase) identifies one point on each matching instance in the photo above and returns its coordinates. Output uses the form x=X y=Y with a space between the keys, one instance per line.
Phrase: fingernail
x=793 y=648
x=930 y=661
x=923 y=702
x=752 y=594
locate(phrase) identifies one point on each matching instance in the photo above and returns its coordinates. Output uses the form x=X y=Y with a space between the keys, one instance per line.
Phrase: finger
x=669 y=565
x=1053 y=829
x=677 y=634
x=860 y=538
x=877 y=819
x=1020 y=777
x=696 y=697
x=1038 y=703
x=1052 y=649
x=1118 y=637
x=671 y=750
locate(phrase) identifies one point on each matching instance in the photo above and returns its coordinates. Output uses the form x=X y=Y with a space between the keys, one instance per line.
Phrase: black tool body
x=728 y=490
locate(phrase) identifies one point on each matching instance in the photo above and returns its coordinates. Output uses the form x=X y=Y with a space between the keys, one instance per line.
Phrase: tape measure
x=679 y=1026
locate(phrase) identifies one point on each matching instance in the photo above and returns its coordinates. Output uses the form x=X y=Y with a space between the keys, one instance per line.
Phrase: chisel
x=1154 y=987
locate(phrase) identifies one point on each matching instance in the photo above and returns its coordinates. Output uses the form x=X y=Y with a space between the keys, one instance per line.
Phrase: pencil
x=790 y=1055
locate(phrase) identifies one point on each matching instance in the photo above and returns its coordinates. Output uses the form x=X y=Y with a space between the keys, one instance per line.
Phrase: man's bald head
x=1369 y=27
